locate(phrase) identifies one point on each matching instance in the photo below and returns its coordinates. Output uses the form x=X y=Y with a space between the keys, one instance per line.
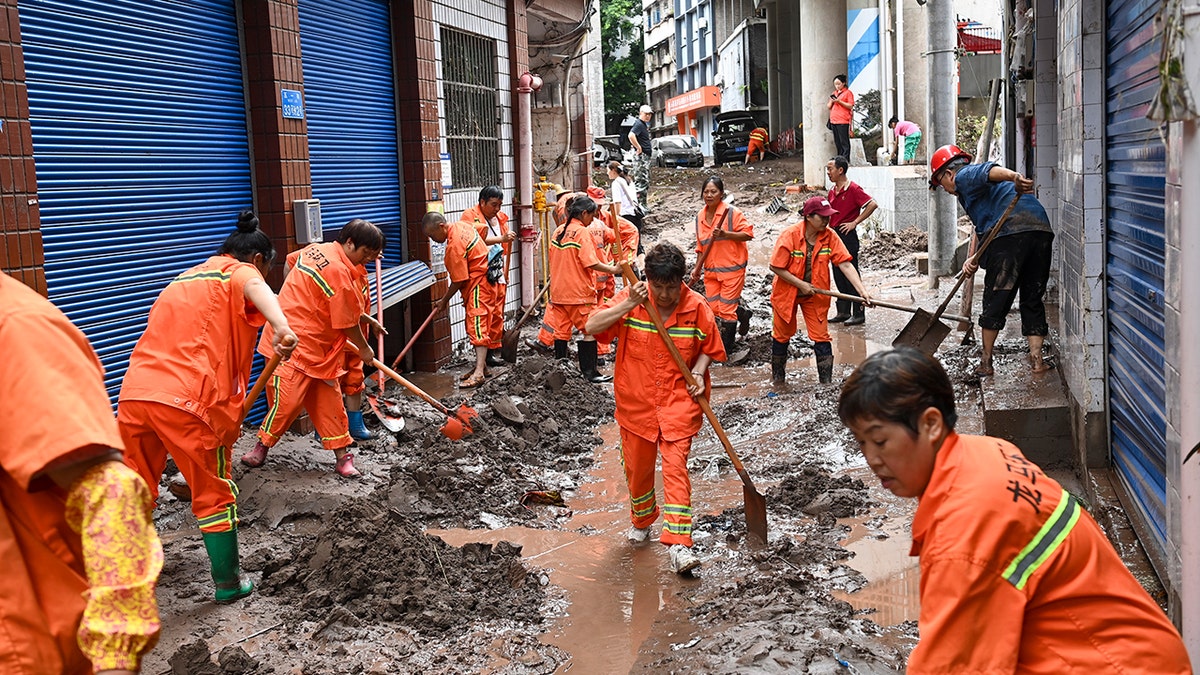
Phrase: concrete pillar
x=940 y=131
x=823 y=41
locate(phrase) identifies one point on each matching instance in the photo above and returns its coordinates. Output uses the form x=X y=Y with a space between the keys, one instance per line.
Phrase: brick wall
x=1079 y=240
x=21 y=244
x=280 y=146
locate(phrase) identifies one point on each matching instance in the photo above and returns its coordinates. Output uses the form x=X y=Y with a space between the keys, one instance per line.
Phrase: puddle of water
x=438 y=385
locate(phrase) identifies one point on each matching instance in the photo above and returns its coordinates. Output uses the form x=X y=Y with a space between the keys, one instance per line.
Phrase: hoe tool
x=925 y=331
x=413 y=340
x=458 y=421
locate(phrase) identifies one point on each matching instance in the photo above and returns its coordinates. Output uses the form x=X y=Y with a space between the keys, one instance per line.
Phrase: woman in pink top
x=911 y=133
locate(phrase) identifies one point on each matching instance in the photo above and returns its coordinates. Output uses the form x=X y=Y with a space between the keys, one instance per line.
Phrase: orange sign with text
x=703 y=97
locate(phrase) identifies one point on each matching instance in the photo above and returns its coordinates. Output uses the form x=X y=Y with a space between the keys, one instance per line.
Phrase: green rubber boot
x=227 y=575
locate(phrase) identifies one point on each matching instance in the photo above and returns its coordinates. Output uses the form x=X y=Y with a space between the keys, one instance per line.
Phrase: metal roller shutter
x=1135 y=258
x=139 y=137
x=350 y=103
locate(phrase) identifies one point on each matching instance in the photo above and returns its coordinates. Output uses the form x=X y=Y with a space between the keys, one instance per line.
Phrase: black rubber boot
x=825 y=369
x=493 y=359
x=778 y=361
x=743 y=314
x=560 y=349
x=728 y=335
x=587 y=363
x=858 y=315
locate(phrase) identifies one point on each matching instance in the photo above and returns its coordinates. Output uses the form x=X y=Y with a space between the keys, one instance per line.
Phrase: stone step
x=1029 y=410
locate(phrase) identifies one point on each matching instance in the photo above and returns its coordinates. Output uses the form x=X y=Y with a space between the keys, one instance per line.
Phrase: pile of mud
x=370 y=564
x=449 y=483
x=892 y=249
x=813 y=491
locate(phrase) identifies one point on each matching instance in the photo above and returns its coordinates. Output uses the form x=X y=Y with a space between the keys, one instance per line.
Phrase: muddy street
x=505 y=552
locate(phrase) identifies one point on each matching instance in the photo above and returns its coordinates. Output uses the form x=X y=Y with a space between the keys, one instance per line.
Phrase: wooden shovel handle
x=880 y=303
x=261 y=383
x=525 y=317
x=975 y=258
x=412 y=387
x=412 y=340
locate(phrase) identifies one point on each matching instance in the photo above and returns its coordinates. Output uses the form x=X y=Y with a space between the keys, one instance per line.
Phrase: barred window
x=472 y=113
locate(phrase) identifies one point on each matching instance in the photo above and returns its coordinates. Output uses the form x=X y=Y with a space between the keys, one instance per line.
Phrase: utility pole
x=943 y=208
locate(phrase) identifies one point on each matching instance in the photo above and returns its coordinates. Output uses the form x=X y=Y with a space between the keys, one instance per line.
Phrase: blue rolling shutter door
x=1135 y=259
x=350 y=103
x=139 y=138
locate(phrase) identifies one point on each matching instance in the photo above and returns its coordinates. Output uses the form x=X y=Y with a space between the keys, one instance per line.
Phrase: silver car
x=679 y=150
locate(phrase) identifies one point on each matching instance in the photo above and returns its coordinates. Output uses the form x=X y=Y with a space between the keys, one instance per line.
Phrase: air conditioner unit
x=307 y=213
x=702 y=23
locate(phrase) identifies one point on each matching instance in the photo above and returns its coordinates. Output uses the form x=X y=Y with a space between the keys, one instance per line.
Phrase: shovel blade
x=932 y=339
x=508 y=346
x=756 y=516
x=466 y=414
x=452 y=429
x=922 y=332
x=391 y=422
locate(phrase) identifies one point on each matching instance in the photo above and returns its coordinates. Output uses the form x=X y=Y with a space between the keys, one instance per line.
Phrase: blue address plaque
x=293 y=104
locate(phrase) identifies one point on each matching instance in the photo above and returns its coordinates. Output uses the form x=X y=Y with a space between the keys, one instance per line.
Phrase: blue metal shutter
x=1135 y=260
x=139 y=139
x=350 y=103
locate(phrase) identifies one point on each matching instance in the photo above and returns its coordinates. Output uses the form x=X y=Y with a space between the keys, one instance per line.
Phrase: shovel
x=413 y=340
x=508 y=343
x=458 y=421
x=756 y=504
x=924 y=331
x=261 y=384
x=889 y=305
x=392 y=422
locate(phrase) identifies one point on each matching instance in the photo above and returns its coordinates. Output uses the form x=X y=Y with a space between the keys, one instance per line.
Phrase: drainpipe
x=885 y=85
x=528 y=84
x=900 y=61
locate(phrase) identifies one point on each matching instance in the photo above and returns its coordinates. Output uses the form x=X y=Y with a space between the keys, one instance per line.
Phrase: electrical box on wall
x=308 y=220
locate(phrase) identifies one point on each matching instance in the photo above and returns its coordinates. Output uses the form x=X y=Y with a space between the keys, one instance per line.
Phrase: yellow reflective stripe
x=214 y=275
x=797 y=254
x=474 y=241
x=316 y=276
x=565 y=244
x=649 y=496
x=677 y=528
x=638 y=513
x=678 y=509
x=1046 y=541
x=269 y=420
x=826 y=251
x=334 y=438
x=674 y=331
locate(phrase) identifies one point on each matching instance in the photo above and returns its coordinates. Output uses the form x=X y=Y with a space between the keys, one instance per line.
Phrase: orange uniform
x=654 y=410
x=793 y=253
x=45 y=586
x=606 y=284
x=352 y=381
x=629 y=234
x=466 y=261
x=321 y=299
x=758 y=142
x=499 y=291
x=1017 y=577
x=187 y=381
x=725 y=266
x=572 y=282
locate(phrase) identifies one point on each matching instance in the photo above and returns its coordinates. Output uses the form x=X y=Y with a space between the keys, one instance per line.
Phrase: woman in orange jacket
x=187 y=381
x=1016 y=577
x=723 y=230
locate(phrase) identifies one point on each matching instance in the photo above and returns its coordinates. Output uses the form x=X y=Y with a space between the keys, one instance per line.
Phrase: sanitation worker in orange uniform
x=604 y=238
x=759 y=138
x=323 y=303
x=78 y=549
x=655 y=406
x=1016 y=577
x=727 y=229
x=466 y=261
x=801 y=262
x=492 y=225
x=187 y=381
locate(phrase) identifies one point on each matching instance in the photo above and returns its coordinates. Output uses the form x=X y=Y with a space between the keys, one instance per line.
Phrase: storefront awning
x=702 y=97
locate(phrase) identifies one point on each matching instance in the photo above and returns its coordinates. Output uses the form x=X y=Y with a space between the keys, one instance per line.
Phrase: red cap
x=595 y=192
x=819 y=206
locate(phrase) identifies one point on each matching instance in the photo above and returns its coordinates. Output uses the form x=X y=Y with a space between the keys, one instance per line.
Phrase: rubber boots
x=358 y=429
x=560 y=349
x=858 y=315
x=843 y=311
x=493 y=358
x=587 y=363
x=743 y=319
x=728 y=331
x=778 y=361
x=227 y=575
x=825 y=369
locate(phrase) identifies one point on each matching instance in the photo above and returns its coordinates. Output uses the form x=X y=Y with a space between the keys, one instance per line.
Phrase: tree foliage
x=624 y=75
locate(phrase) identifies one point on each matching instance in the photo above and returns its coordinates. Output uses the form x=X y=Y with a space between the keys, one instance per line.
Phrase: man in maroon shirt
x=853 y=206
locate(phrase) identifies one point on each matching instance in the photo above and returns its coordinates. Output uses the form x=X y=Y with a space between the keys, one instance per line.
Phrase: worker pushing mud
x=722 y=231
x=466 y=260
x=184 y=391
x=656 y=411
x=1015 y=574
x=78 y=549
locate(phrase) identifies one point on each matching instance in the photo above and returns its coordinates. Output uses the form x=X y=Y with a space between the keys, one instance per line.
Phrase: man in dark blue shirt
x=639 y=140
x=1018 y=259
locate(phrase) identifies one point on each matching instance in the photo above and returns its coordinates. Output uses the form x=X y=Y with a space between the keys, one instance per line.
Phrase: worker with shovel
x=1017 y=260
x=324 y=306
x=800 y=261
x=187 y=380
x=78 y=549
x=492 y=224
x=656 y=410
x=1016 y=577
x=466 y=261
x=721 y=235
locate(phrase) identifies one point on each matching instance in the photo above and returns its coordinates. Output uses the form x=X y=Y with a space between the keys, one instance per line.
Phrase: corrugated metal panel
x=1135 y=259
x=350 y=103
x=402 y=282
x=139 y=139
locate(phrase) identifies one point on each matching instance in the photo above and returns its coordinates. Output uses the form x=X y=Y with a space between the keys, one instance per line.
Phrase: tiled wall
x=21 y=243
x=1079 y=240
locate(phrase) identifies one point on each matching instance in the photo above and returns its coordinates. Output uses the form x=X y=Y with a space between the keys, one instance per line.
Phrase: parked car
x=732 y=136
x=680 y=150
x=606 y=149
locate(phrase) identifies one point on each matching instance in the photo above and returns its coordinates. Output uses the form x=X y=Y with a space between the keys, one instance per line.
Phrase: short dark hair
x=579 y=205
x=894 y=121
x=363 y=233
x=897 y=386
x=841 y=77
x=954 y=165
x=432 y=219
x=664 y=263
x=841 y=163
x=715 y=180
x=491 y=192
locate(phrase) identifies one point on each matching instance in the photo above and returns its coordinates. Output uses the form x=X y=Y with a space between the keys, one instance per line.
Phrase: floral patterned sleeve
x=110 y=506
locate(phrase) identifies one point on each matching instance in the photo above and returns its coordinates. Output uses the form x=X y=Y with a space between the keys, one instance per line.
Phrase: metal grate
x=472 y=113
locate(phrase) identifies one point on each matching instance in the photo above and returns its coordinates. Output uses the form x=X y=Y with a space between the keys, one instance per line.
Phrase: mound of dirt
x=813 y=491
x=892 y=249
x=370 y=564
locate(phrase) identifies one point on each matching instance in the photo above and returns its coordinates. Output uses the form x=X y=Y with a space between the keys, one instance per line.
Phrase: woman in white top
x=625 y=195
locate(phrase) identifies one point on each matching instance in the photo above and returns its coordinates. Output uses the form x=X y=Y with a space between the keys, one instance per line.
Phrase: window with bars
x=472 y=113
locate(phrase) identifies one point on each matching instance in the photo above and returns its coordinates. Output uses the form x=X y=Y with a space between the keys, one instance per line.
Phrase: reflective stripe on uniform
x=1045 y=542
x=674 y=331
x=316 y=276
x=213 y=275
x=730 y=268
